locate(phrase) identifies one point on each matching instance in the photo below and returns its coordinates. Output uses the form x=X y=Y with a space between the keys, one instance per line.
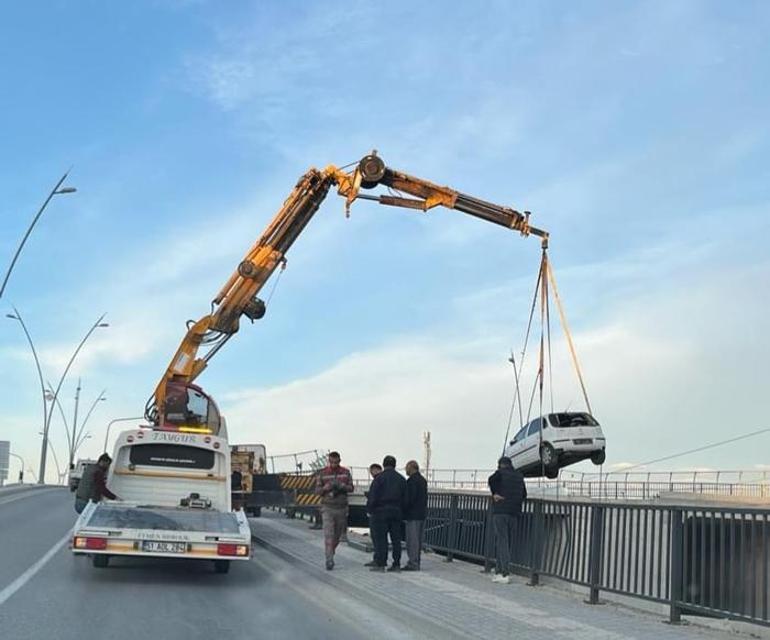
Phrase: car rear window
x=563 y=420
x=172 y=455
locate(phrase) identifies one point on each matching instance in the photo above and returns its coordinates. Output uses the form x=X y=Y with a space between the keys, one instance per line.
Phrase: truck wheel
x=598 y=457
x=221 y=566
x=101 y=561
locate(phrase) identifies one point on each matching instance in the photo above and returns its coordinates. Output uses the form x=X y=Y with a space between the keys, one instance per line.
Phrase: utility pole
x=426 y=452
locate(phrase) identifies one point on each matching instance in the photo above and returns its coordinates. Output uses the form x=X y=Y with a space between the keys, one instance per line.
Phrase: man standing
x=508 y=494
x=93 y=484
x=375 y=469
x=333 y=484
x=385 y=502
x=415 y=508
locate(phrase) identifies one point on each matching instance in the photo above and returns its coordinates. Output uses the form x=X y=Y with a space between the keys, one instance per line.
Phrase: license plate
x=583 y=441
x=154 y=546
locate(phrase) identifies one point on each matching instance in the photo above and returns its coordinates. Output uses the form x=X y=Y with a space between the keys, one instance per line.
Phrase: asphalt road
x=46 y=592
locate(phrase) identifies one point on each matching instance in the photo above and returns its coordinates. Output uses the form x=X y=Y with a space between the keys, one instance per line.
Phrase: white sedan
x=566 y=438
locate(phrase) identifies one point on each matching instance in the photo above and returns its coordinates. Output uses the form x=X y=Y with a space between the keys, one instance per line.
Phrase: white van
x=567 y=438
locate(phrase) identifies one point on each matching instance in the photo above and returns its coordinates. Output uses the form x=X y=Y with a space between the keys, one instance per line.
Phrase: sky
x=635 y=132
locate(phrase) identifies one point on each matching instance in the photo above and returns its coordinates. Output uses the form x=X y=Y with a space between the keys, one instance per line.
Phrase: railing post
x=595 y=553
x=489 y=540
x=677 y=565
x=538 y=529
x=452 y=546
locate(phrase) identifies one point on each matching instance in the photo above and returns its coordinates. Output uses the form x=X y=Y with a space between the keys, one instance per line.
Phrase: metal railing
x=615 y=485
x=706 y=561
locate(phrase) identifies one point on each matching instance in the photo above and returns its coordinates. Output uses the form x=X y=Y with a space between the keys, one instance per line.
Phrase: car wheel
x=598 y=457
x=221 y=566
x=101 y=561
x=548 y=455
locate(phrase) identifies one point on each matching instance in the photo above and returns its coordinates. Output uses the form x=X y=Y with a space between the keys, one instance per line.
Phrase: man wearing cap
x=508 y=494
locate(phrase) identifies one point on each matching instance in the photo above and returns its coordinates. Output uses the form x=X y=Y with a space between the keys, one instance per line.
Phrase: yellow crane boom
x=238 y=297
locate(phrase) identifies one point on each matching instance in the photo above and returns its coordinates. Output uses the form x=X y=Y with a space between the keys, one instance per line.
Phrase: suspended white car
x=567 y=438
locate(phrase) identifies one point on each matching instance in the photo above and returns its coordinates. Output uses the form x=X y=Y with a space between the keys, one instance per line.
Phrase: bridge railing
x=704 y=560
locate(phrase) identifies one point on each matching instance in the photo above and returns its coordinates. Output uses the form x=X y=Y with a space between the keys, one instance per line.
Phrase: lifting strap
x=567 y=333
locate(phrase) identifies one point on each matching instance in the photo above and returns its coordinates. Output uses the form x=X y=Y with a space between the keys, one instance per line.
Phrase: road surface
x=45 y=592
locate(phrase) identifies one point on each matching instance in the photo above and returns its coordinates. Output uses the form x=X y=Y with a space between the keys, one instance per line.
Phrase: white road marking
x=25 y=494
x=25 y=577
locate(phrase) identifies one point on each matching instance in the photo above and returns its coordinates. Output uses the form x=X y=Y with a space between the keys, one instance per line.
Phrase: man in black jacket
x=385 y=504
x=508 y=494
x=415 y=508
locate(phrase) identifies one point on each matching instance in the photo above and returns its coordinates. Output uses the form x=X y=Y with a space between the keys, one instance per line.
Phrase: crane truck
x=173 y=475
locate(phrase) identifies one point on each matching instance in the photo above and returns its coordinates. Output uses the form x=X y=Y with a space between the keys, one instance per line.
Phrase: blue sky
x=636 y=133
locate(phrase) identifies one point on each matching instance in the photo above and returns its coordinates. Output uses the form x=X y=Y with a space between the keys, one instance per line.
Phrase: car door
x=530 y=450
x=515 y=447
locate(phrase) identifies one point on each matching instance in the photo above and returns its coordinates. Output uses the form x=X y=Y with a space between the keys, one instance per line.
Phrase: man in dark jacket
x=385 y=504
x=508 y=494
x=415 y=508
x=93 y=484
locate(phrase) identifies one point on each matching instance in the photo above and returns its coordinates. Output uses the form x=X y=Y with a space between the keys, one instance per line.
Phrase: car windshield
x=563 y=420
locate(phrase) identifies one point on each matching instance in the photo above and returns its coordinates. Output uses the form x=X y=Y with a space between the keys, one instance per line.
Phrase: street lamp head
x=11 y=316
x=103 y=324
x=65 y=190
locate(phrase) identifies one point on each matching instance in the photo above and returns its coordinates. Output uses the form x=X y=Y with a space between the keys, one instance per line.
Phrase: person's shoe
x=394 y=568
x=377 y=567
x=410 y=567
x=329 y=565
x=371 y=564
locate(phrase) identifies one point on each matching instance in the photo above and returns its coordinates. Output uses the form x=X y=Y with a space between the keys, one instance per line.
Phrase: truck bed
x=117 y=516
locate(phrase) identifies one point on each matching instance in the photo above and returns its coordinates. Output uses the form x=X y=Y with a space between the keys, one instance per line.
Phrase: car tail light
x=96 y=544
x=225 y=549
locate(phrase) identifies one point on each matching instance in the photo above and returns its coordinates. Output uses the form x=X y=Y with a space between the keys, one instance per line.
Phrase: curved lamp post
x=21 y=460
x=111 y=422
x=57 y=190
x=96 y=325
x=17 y=316
x=80 y=437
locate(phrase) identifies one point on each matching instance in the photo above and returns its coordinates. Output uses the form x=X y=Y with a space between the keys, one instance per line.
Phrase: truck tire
x=101 y=561
x=221 y=566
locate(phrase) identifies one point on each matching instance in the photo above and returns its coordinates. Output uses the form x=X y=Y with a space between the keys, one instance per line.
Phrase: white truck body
x=174 y=501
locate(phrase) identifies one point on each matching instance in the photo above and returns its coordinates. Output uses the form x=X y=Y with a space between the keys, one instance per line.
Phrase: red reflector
x=216 y=445
x=99 y=544
x=227 y=549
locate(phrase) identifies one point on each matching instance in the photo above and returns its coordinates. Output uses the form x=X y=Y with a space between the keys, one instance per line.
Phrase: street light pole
x=20 y=459
x=58 y=189
x=74 y=426
x=43 y=450
x=17 y=316
x=81 y=437
x=111 y=422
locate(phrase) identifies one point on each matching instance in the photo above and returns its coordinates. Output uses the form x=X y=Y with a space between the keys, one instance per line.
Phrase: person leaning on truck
x=333 y=484
x=508 y=494
x=93 y=484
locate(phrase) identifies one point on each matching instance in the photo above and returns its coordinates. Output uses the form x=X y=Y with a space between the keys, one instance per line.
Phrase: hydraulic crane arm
x=238 y=297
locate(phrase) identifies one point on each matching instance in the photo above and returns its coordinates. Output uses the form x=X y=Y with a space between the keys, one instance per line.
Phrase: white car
x=567 y=438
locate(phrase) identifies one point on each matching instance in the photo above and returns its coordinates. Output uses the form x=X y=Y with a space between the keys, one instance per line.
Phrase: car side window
x=534 y=427
x=520 y=435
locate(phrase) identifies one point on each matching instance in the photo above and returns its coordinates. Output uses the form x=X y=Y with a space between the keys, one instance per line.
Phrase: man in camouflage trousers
x=333 y=484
